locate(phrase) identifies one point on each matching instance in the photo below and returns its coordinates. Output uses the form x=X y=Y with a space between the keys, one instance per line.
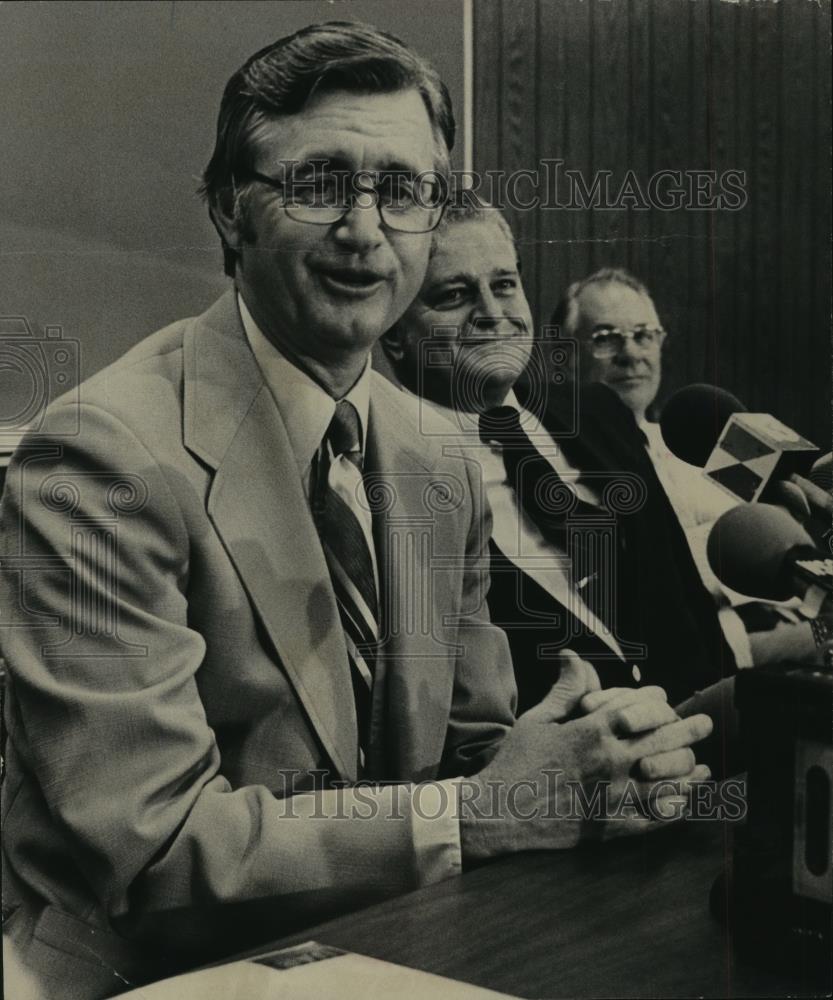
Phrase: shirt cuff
x=736 y=636
x=435 y=822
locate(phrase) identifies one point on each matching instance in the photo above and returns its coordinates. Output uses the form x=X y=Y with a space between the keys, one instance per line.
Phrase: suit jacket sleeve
x=485 y=694
x=112 y=730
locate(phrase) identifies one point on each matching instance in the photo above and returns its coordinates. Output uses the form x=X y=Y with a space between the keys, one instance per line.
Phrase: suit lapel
x=557 y=587
x=609 y=434
x=414 y=682
x=600 y=414
x=257 y=504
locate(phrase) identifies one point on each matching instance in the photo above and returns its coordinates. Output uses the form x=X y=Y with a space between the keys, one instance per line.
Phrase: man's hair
x=321 y=58
x=464 y=210
x=473 y=210
x=567 y=312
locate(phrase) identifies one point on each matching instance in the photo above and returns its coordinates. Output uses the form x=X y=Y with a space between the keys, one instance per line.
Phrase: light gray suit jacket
x=178 y=668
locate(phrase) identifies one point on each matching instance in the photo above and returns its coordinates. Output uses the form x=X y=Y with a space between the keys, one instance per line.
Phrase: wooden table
x=629 y=918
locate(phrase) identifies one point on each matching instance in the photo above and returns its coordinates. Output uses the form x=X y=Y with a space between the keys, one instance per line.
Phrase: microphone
x=693 y=418
x=792 y=498
x=744 y=453
x=761 y=551
x=821 y=474
x=817 y=489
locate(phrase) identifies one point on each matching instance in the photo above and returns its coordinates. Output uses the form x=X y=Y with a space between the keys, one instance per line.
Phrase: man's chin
x=636 y=397
x=350 y=326
x=479 y=387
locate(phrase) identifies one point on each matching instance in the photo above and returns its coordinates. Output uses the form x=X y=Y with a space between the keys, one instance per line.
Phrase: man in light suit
x=200 y=672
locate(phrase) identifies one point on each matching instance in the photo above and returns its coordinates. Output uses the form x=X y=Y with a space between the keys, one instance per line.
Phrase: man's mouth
x=354 y=282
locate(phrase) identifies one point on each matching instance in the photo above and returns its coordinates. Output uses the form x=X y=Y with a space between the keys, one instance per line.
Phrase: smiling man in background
x=462 y=346
x=633 y=603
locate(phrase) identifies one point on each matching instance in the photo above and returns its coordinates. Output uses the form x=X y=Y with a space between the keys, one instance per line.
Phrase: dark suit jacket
x=178 y=667
x=660 y=603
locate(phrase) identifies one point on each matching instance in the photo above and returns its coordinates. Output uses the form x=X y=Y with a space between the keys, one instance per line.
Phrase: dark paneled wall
x=650 y=85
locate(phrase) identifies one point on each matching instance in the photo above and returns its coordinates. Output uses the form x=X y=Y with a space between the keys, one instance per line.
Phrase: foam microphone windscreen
x=821 y=474
x=747 y=547
x=791 y=497
x=693 y=419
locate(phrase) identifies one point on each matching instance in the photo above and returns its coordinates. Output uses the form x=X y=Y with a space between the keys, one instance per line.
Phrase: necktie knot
x=501 y=424
x=344 y=432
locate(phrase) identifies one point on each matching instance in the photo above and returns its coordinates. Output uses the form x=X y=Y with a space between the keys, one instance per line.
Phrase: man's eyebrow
x=399 y=167
x=340 y=162
x=318 y=161
x=466 y=277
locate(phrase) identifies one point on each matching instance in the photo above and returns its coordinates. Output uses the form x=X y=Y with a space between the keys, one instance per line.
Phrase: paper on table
x=310 y=972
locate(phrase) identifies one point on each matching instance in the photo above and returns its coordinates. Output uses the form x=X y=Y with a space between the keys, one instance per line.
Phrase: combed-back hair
x=473 y=210
x=321 y=58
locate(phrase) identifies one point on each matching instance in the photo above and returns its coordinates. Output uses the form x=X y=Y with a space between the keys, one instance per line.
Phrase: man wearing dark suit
x=586 y=550
x=249 y=581
x=613 y=320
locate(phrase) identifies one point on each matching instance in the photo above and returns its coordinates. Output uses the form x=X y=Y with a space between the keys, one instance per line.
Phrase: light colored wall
x=107 y=117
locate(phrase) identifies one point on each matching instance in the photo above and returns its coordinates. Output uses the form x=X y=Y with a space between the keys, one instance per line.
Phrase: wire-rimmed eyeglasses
x=608 y=343
x=406 y=203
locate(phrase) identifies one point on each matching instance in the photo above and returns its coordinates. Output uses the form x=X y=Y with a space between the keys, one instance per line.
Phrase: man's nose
x=629 y=351
x=486 y=313
x=361 y=226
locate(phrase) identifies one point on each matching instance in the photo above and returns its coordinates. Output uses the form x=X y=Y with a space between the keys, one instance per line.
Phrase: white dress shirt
x=698 y=503
x=513 y=531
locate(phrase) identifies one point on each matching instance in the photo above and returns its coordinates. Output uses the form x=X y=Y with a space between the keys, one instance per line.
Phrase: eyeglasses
x=608 y=343
x=406 y=204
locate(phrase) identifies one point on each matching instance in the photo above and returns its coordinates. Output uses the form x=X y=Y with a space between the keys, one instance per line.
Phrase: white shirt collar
x=469 y=423
x=305 y=407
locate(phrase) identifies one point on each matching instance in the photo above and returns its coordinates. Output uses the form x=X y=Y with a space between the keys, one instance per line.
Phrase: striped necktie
x=345 y=526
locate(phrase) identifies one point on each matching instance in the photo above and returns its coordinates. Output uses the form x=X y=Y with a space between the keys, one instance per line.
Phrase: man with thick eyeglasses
x=620 y=339
x=253 y=678
x=620 y=336
x=321 y=194
x=612 y=315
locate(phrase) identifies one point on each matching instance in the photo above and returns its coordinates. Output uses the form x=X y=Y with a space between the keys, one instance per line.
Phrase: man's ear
x=391 y=342
x=226 y=215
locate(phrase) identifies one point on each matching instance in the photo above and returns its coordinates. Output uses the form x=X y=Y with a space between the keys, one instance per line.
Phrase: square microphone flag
x=753 y=450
